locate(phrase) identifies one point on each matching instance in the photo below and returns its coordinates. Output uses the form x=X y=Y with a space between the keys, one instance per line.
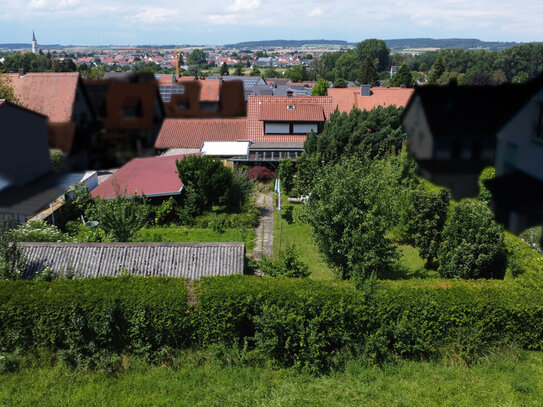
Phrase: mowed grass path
x=184 y=234
x=299 y=233
x=500 y=381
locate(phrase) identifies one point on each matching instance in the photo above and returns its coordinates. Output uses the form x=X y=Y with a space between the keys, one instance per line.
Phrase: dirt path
x=264 y=231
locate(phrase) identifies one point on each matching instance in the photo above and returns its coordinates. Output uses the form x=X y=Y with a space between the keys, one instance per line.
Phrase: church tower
x=34 y=44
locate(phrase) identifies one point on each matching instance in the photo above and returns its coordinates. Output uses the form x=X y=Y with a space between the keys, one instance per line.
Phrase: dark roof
x=187 y=260
x=475 y=111
x=32 y=198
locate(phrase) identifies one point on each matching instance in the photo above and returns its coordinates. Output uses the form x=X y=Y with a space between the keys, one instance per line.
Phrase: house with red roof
x=154 y=177
x=62 y=98
x=366 y=97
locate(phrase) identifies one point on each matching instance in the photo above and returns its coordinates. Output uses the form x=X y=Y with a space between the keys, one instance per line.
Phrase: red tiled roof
x=154 y=176
x=51 y=94
x=209 y=92
x=191 y=133
x=347 y=98
x=255 y=125
x=167 y=80
x=297 y=112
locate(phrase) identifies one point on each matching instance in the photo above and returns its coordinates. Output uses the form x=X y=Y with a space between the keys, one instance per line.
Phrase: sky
x=216 y=22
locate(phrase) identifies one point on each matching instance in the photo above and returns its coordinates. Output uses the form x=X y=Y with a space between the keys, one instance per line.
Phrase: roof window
x=291 y=107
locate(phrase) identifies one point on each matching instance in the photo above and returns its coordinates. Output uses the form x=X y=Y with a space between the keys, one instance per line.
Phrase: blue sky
x=93 y=22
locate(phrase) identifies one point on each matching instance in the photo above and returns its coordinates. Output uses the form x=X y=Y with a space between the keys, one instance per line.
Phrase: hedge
x=302 y=323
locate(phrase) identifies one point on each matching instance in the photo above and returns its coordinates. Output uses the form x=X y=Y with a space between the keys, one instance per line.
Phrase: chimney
x=365 y=90
x=174 y=79
x=21 y=73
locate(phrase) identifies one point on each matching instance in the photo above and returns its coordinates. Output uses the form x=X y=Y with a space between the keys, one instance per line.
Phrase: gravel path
x=264 y=231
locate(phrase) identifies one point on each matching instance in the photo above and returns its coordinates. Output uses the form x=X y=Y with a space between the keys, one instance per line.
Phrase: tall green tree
x=197 y=58
x=403 y=77
x=428 y=219
x=346 y=224
x=320 y=88
x=297 y=73
x=376 y=50
x=239 y=69
x=340 y=83
x=286 y=174
x=437 y=70
x=367 y=75
x=6 y=89
x=224 y=69
x=473 y=243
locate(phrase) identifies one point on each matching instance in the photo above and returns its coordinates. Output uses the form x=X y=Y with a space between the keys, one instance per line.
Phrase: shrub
x=120 y=217
x=473 y=245
x=39 y=231
x=486 y=175
x=262 y=174
x=57 y=158
x=428 y=220
x=12 y=260
x=288 y=264
x=165 y=212
x=286 y=174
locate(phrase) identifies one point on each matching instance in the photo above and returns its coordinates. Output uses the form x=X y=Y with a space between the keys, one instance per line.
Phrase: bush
x=261 y=174
x=287 y=265
x=165 y=212
x=57 y=158
x=39 y=231
x=473 y=245
x=297 y=322
x=120 y=217
x=286 y=175
x=12 y=260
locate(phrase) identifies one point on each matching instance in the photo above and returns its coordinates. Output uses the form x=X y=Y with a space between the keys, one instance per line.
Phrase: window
x=132 y=108
x=304 y=128
x=276 y=128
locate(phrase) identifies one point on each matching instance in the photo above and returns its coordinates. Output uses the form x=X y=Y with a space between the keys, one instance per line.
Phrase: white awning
x=225 y=148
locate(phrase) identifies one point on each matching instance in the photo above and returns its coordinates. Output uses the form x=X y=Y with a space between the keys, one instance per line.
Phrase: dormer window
x=132 y=108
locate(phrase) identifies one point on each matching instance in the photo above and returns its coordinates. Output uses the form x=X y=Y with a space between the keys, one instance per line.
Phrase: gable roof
x=51 y=94
x=347 y=98
x=291 y=112
x=192 y=133
x=153 y=176
x=275 y=104
x=186 y=260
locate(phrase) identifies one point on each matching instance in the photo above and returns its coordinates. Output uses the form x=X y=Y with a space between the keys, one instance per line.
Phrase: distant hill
x=464 y=43
x=29 y=46
x=285 y=43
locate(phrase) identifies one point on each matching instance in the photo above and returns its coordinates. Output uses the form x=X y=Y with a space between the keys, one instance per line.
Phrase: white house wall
x=517 y=139
x=421 y=142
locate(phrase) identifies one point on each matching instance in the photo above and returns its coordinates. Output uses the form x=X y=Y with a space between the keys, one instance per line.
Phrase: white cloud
x=245 y=5
x=316 y=12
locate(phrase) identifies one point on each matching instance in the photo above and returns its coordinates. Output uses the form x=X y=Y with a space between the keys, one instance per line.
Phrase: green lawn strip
x=184 y=234
x=299 y=233
x=501 y=380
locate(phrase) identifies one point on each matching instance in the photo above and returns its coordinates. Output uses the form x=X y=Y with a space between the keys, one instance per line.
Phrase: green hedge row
x=301 y=323
x=113 y=314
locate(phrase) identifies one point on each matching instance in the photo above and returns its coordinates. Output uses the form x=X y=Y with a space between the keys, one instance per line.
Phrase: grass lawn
x=410 y=264
x=184 y=234
x=501 y=380
x=299 y=233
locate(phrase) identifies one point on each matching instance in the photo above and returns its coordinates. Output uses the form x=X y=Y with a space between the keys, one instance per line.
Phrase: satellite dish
x=91 y=223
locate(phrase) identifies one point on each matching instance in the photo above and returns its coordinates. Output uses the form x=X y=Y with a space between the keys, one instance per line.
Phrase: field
x=513 y=378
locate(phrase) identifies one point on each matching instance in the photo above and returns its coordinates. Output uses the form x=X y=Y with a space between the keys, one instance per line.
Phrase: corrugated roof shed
x=186 y=260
